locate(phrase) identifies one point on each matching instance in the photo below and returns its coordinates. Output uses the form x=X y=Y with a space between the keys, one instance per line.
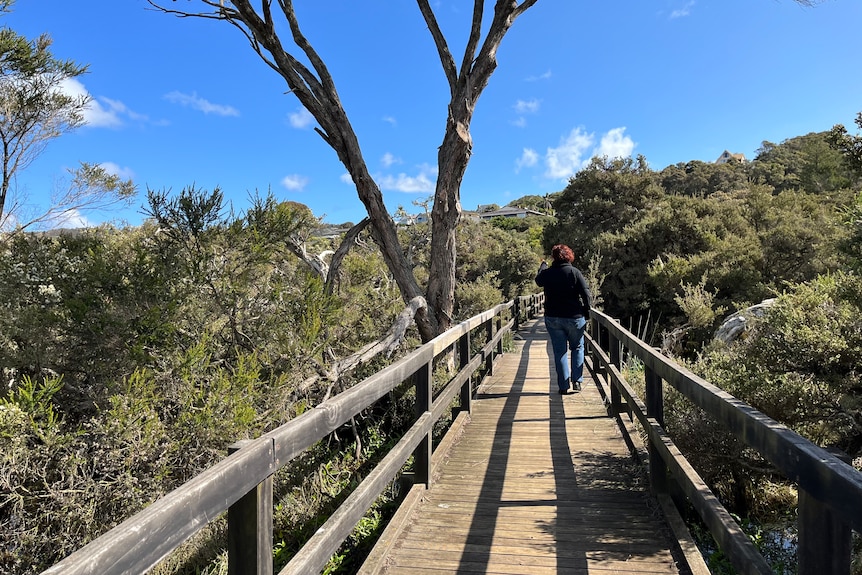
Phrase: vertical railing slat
x=654 y=401
x=825 y=541
x=424 y=399
x=464 y=359
x=489 y=335
x=249 y=529
x=614 y=352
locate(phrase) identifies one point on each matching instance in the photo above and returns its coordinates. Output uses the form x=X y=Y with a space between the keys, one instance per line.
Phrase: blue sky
x=180 y=102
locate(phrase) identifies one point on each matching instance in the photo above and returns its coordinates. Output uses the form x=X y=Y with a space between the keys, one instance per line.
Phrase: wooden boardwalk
x=539 y=483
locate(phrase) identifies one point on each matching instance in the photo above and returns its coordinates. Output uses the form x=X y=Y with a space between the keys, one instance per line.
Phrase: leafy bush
x=799 y=365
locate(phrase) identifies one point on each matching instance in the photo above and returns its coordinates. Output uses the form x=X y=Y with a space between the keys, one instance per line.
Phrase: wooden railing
x=830 y=491
x=242 y=483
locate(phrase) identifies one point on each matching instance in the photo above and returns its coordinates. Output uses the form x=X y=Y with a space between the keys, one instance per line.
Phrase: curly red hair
x=562 y=253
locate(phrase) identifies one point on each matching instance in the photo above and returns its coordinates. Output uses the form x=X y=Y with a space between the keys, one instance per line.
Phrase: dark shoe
x=577 y=386
x=563 y=391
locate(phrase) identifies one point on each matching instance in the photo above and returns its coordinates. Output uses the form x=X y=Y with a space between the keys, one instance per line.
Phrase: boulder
x=735 y=325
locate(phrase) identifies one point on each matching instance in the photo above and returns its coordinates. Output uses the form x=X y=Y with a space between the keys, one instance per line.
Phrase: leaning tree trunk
x=315 y=89
x=453 y=156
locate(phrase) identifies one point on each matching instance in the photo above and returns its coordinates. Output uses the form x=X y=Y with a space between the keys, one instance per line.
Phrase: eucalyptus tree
x=315 y=88
x=34 y=110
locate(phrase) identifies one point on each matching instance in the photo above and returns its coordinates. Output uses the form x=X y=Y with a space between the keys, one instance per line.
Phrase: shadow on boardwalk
x=538 y=484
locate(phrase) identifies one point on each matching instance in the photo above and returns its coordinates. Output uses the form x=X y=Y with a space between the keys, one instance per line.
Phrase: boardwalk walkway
x=538 y=484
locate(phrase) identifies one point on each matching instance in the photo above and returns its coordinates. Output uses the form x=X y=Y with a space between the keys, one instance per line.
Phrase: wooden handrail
x=242 y=482
x=828 y=487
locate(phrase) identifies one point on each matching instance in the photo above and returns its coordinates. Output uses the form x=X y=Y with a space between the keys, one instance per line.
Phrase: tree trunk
x=315 y=89
x=452 y=158
x=465 y=87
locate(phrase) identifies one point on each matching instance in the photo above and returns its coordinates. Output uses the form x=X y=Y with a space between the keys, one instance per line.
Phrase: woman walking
x=567 y=307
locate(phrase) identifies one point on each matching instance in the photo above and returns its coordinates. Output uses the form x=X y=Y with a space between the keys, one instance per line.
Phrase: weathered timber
x=249 y=528
x=316 y=552
x=830 y=490
x=240 y=484
x=539 y=483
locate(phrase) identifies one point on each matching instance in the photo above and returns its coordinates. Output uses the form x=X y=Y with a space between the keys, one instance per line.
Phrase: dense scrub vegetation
x=133 y=357
x=677 y=251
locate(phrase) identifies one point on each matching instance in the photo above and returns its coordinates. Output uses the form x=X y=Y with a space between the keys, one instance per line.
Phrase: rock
x=735 y=325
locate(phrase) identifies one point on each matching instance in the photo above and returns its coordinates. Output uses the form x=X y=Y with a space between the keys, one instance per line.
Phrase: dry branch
x=385 y=345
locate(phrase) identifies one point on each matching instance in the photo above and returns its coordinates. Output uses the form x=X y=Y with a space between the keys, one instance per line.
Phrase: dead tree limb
x=347 y=242
x=315 y=89
x=385 y=345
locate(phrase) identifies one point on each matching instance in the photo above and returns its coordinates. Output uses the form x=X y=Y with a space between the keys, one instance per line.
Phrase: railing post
x=600 y=334
x=499 y=328
x=249 y=529
x=464 y=359
x=616 y=397
x=825 y=542
x=595 y=330
x=424 y=398
x=489 y=335
x=517 y=308
x=655 y=409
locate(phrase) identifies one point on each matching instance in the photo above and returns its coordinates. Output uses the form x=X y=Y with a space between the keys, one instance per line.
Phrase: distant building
x=412 y=219
x=728 y=157
x=330 y=231
x=509 y=212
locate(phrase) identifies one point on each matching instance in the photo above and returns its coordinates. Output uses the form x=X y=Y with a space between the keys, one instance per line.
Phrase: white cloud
x=523 y=107
x=615 y=144
x=294 y=182
x=346 y=178
x=115 y=170
x=95 y=114
x=423 y=182
x=527 y=106
x=528 y=159
x=576 y=150
x=388 y=160
x=117 y=107
x=390 y=120
x=71 y=219
x=544 y=76
x=682 y=12
x=195 y=102
x=300 y=119
x=567 y=158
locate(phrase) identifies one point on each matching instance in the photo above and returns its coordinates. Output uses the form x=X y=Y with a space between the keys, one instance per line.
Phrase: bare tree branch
x=440 y=42
x=315 y=89
x=475 y=36
x=335 y=263
x=385 y=345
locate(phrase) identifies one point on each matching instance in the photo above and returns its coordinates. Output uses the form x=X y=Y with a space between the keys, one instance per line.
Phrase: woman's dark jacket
x=566 y=291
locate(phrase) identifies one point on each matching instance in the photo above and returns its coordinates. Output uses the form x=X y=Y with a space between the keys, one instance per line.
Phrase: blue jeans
x=565 y=333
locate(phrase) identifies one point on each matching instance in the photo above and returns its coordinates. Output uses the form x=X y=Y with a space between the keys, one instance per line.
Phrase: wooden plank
x=249 y=529
x=539 y=483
